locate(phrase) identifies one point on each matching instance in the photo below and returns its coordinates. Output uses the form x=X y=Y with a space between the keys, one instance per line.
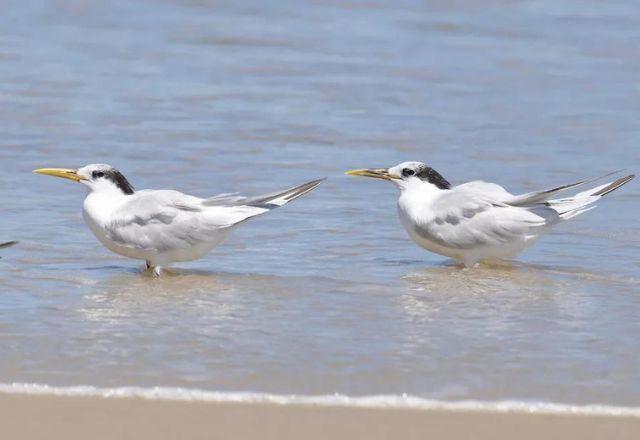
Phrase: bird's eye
x=408 y=172
x=97 y=174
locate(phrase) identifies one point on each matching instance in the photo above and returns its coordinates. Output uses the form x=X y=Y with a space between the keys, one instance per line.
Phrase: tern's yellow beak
x=60 y=172
x=378 y=173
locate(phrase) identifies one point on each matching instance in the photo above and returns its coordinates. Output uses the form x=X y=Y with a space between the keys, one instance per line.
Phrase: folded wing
x=169 y=220
x=481 y=213
x=465 y=221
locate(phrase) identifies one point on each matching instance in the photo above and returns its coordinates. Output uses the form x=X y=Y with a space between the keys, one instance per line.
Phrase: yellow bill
x=60 y=172
x=377 y=173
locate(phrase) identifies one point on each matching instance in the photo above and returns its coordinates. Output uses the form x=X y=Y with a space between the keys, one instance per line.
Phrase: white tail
x=570 y=207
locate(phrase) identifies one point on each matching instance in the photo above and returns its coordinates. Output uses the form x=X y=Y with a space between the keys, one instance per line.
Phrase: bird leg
x=157 y=270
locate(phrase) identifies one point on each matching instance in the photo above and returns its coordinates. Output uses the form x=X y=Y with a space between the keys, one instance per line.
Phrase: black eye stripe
x=408 y=172
x=97 y=174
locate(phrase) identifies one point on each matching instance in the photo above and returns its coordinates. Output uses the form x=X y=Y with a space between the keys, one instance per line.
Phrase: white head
x=406 y=175
x=96 y=177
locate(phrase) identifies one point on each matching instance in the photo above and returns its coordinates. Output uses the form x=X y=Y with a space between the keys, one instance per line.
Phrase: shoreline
x=393 y=401
x=31 y=416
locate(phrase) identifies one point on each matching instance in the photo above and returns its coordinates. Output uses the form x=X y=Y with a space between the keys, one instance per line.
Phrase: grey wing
x=465 y=221
x=489 y=190
x=535 y=197
x=267 y=201
x=166 y=220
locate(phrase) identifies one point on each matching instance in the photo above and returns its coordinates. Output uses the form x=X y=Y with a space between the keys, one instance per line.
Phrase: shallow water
x=326 y=295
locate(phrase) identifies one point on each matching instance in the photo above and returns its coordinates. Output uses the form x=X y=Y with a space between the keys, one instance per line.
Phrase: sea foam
x=375 y=401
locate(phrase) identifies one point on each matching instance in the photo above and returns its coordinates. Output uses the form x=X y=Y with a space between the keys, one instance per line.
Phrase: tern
x=480 y=221
x=7 y=244
x=163 y=226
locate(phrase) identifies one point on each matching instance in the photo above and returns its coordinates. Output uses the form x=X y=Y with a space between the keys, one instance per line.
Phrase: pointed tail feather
x=542 y=196
x=266 y=201
x=275 y=200
x=7 y=244
x=572 y=206
x=614 y=185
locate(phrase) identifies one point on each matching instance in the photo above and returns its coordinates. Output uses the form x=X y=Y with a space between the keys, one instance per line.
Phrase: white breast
x=97 y=211
x=409 y=224
x=109 y=218
x=414 y=206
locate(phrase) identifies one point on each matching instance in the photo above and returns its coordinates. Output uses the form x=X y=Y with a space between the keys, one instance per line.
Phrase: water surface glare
x=326 y=295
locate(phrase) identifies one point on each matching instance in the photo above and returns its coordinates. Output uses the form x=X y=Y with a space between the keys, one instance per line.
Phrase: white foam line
x=379 y=401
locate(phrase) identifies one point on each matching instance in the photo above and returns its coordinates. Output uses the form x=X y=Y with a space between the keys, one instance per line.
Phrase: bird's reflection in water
x=494 y=277
x=172 y=283
x=449 y=306
x=181 y=294
x=493 y=291
x=481 y=291
x=137 y=294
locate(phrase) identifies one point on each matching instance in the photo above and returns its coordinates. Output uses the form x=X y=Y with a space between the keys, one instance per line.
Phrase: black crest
x=116 y=177
x=121 y=182
x=434 y=177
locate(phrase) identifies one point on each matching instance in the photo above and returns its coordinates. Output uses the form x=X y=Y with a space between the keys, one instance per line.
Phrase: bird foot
x=156 y=270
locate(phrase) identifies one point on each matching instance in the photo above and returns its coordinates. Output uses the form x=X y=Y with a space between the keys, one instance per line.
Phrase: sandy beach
x=52 y=417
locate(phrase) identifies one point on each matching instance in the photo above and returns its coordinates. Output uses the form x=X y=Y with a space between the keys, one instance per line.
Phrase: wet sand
x=52 y=417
